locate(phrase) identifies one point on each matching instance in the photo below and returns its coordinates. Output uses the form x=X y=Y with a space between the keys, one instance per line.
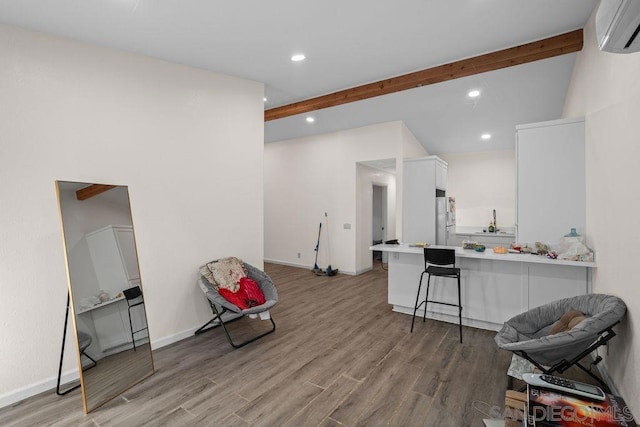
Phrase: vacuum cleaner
x=317 y=270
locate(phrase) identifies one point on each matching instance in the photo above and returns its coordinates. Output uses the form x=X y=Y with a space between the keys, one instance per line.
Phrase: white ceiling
x=347 y=43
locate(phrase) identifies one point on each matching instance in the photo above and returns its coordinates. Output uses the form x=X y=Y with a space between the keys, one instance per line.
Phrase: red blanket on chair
x=248 y=295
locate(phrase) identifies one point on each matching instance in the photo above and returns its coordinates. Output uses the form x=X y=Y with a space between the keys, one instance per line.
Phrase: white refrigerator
x=445 y=220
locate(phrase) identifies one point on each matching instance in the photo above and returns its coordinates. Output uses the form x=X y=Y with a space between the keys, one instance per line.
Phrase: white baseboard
x=308 y=267
x=71 y=375
x=50 y=383
x=163 y=342
x=37 y=388
x=364 y=270
x=444 y=317
x=290 y=264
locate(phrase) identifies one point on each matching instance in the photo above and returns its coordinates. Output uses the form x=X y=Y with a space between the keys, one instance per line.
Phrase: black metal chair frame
x=435 y=260
x=82 y=352
x=131 y=294
x=93 y=361
x=603 y=337
x=217 y=317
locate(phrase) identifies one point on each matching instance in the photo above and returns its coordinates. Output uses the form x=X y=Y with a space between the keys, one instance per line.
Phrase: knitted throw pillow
x=568 y=320
x=224 y=273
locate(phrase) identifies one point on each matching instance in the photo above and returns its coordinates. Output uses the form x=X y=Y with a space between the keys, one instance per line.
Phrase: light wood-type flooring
x=105 y=380
x=339 y=356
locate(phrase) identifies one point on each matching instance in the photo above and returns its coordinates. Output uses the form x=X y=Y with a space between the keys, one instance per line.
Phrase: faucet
x=495 y=223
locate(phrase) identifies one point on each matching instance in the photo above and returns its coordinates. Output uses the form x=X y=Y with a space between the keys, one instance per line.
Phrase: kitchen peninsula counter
x=495 y=287
x=488 y=254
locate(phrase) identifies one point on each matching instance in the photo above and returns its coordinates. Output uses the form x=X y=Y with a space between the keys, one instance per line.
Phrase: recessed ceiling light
x=486 y=136
x=474 y=93
x=310 y=119
x=298 y=57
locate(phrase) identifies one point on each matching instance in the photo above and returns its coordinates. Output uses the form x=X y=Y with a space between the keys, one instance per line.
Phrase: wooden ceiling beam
x=92 y=190
x=534 y=51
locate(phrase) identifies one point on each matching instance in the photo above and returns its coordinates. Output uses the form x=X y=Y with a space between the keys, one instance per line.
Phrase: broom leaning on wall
x=317 y=270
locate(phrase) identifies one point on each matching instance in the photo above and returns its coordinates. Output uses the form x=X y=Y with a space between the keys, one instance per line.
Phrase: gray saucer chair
x=84 y=341
x=527 y=334
x=225 y=312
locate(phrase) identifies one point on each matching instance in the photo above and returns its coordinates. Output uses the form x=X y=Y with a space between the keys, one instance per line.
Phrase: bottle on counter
x=492 y=227
x=572 y=233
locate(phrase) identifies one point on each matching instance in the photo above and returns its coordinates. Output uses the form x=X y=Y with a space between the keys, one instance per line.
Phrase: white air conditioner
x=617 y=26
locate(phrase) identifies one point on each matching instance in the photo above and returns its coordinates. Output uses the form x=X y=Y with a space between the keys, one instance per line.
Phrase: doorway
x=379 y=219
x=376 y=219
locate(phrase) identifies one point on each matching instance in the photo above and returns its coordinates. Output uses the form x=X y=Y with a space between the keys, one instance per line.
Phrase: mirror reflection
x=106 y=291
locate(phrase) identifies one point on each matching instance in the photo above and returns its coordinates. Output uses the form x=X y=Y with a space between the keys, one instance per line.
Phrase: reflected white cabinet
x=551 y=188
x=111 y=324
x=113 y=254
x=114 y=259
x=421 y=177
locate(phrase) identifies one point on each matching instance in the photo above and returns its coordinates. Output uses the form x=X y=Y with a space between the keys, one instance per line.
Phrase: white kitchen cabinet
x=113 y=254
x=494 y=288
x=441 y=175
x=550 y=180
x=420 y=176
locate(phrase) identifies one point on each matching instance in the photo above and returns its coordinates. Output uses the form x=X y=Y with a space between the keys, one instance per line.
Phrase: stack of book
x=553 y=408
x=515 y=408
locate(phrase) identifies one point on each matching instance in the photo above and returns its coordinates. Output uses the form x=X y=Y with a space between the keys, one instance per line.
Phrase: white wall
x=306 y=177
x=187 y=142
x=482 y=182
x=366 y=178
x=605 y=89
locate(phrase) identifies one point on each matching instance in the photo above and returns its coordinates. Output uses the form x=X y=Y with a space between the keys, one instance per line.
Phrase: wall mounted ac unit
x=617 y=26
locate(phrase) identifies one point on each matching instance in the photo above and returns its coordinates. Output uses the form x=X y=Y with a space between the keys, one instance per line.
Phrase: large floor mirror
x=105 y=290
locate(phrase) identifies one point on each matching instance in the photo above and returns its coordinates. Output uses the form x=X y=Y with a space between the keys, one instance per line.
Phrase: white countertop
x=100 y=305
x=488 y=255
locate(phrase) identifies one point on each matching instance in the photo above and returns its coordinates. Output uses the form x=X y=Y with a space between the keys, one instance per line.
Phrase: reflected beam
x=530 y=52
x=92 y=190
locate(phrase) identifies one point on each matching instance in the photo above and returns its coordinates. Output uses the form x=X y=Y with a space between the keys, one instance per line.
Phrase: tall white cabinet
x=113 y=253
x=421 y=178
x=114 y=258
x=551 y=180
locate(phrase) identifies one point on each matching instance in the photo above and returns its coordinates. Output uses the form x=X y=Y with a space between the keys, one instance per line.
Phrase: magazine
x=552 y=408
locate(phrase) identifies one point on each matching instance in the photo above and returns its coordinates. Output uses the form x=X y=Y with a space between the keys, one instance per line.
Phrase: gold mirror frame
x=102 y=262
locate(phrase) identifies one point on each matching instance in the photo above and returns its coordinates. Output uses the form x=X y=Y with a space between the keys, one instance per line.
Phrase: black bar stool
x=440 y=263
x=134 y=298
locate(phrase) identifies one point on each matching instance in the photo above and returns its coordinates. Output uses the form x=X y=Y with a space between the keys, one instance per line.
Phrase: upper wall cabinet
x=113 y=253
x=441 y=175
x=551 y=180
x=421 y=177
